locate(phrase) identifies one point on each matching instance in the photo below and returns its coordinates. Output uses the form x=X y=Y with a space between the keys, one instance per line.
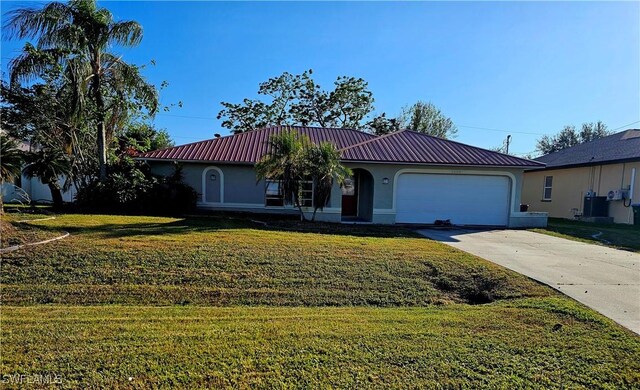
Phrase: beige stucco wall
x=571 y=184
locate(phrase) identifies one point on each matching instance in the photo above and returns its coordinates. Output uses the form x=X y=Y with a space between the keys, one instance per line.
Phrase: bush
x=131 y=188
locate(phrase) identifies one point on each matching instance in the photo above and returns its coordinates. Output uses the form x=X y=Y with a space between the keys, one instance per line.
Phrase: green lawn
x=614 y=235
x=213 y=302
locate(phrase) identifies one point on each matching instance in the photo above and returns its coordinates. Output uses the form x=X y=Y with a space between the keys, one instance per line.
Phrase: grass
x=505 y=345
x=212 y=261
x=619 y=236
x=14 y=233
x=218 y=302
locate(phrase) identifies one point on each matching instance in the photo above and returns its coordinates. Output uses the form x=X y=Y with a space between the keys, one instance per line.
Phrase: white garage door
x=464 y=199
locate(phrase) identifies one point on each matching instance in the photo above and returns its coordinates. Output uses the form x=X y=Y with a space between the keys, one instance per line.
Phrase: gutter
x=587 y=164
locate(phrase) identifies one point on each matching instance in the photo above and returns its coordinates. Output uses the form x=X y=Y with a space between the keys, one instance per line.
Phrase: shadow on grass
x=213 y=223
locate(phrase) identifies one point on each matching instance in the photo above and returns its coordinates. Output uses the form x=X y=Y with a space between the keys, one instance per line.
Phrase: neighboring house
x=594 y=179
x=403 y=177
x=34 y=190
x=30 y=189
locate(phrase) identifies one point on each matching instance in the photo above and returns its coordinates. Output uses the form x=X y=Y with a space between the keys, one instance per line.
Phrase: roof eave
x=441 y=164
x=194 y=161
x=588 y=164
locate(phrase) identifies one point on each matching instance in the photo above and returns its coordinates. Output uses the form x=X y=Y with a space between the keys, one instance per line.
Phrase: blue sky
x=525 y=68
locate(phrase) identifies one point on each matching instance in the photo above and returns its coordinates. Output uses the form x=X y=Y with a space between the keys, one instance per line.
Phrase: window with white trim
x=306 y=193
x=546 y=192
x=274 y=195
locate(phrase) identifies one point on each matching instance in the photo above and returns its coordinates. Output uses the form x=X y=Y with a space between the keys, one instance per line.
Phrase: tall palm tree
x=49 y=165
x=11 y=159
x=324 y=167
x=78 y=35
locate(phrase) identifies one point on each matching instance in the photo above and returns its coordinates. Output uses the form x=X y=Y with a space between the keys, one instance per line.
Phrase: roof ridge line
x=375 y=138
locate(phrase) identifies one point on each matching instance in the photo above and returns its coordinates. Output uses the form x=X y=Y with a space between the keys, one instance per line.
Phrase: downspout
x=631 y=186
x=633 y=183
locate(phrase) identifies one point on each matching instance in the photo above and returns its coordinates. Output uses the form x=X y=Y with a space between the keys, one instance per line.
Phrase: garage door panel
x=464 y=199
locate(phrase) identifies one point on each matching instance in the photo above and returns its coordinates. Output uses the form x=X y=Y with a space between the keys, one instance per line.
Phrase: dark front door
x=349 y=198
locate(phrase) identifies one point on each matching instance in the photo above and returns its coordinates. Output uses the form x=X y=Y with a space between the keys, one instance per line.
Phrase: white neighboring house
x=25 y=189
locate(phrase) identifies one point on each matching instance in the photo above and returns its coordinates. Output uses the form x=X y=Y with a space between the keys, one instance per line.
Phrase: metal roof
x=621 y=146
x=410 y=147
x=402 y=147
x=249 y=147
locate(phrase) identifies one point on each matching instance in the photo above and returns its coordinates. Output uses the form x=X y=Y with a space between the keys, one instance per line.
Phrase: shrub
x=131 y=188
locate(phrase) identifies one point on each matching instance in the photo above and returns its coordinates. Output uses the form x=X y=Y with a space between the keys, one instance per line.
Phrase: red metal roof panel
x=410 y=147
x=402 y=147
x=249 y=147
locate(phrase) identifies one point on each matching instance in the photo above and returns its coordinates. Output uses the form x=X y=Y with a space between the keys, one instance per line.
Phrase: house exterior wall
x=242 y=192
x=570 y=186
x=31 y=189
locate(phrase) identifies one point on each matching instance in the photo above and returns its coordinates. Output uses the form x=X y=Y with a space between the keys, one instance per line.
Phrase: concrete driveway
x=605 y=279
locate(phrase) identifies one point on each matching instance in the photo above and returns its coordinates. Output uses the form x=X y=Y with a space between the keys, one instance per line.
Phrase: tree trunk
x=101 y=131
x=299 y=205
x=56 y=195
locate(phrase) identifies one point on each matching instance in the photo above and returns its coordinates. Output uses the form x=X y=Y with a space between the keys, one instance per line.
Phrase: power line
x=501 y=130
x=628 y=124
x=188 y=116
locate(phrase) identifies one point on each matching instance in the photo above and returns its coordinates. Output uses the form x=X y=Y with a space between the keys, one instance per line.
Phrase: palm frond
x=127 y=33
x=33 y=62
x=11 y=158
x=127 y=77
x=29 y=23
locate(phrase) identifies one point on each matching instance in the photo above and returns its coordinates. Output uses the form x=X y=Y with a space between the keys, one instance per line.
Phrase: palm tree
x=78 y=36
x=323 y=166
x=49 y=165
x=284 y=161
x=11 y=159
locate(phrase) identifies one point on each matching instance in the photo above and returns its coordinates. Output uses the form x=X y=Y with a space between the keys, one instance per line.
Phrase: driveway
x=605 y=279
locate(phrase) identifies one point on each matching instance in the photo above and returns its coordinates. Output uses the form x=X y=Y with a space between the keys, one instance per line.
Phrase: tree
x=292 y=159
x=592 y=131
x=324 y=167
x=285 y=162
x=77 y=35
x=11 y=159
x=141 y=137
x=569 y=136
x=49 y=165
x=424 y=117
x=381 y=125
x=298 y=99
x=41 y=115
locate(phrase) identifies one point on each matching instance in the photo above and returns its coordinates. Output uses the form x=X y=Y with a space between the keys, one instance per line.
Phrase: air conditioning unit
x=616 y=195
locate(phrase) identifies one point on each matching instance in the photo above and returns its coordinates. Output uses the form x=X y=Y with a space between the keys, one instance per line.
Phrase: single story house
x=24 y=189
x=403 y=177
x=597 y=179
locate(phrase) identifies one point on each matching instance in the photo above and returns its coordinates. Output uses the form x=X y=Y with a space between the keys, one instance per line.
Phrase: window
x=348 y=187
x=548 y=182
x=306 y=193
x=273 y=193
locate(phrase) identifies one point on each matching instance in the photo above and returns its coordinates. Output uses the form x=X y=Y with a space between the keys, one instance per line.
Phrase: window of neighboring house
x=548 y=183
x=273 y=193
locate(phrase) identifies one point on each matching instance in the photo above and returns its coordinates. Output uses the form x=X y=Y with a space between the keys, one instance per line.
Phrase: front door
x=349 y=198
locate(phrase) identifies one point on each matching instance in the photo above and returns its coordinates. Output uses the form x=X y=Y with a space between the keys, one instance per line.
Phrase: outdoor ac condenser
x=616 y=195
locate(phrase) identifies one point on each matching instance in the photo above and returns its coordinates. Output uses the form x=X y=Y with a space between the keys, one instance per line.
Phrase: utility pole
x=507 y=141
